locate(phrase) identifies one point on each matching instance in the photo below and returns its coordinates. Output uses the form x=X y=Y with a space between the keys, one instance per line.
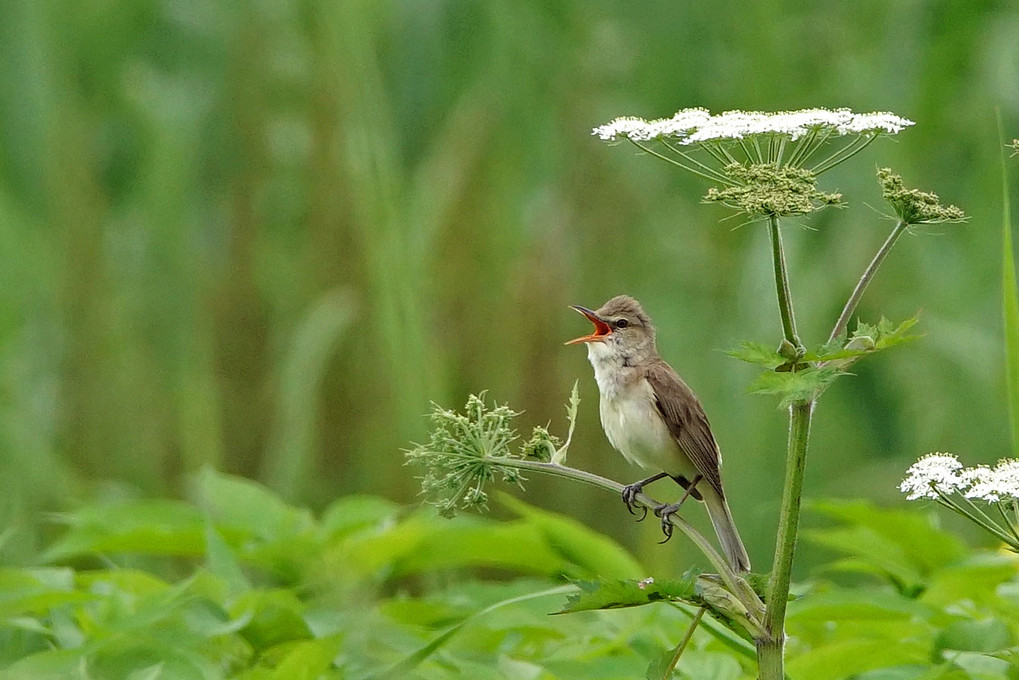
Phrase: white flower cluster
x=943 y=472
x=691 y=126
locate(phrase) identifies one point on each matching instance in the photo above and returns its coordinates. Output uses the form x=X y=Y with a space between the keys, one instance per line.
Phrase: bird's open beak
x=601 y=329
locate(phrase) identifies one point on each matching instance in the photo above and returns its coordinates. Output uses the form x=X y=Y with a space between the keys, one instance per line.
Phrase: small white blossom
x=1007 y=472
x=1001 y=483
x=636 y=129
x=875 y=123
x=691 y=126
x=935 y=470
x=979 y=482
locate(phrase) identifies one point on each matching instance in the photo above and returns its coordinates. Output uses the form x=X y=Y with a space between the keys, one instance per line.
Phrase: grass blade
x=1009 y=299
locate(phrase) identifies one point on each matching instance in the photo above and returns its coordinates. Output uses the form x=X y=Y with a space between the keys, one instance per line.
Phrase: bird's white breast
x=629 y=415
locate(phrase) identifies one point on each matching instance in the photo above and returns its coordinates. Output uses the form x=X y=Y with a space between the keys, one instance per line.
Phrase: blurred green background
x=265 y=236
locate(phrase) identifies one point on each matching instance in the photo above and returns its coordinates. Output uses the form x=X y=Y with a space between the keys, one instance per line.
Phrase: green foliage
x=793 y=386
x=807 y=375
x=617 y=594
x=242 y=585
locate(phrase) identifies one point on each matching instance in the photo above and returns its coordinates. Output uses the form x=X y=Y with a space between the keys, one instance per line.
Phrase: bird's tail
x=725 y=528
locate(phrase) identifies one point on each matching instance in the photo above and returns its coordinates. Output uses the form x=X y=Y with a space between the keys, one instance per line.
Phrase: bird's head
x=621 y=325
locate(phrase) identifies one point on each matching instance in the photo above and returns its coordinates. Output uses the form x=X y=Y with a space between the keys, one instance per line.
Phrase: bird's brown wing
x=687 y=421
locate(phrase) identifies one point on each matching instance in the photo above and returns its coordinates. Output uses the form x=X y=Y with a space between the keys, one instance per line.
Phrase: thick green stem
x=785 y=298
x=770 y=647
x=861 y=286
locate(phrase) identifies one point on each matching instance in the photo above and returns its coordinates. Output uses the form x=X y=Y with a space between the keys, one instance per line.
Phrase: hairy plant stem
x=785 y=299
x=861 y=285
x=771 y=646
x=736 y=585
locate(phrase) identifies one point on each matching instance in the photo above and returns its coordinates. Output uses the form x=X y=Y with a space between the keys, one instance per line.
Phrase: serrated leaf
x=866 y=339
x=793 y=386
x=889 y=335
x=616 y=594
x=757 y=353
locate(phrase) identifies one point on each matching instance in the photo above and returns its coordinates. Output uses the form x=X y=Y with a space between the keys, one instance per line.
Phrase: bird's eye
x=622 y=323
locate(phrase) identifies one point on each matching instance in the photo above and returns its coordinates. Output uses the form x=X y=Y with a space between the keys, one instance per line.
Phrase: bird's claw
x=665 y=512
x=630 y=492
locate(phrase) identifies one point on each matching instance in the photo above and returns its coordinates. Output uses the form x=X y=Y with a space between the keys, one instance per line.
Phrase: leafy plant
x=765 y=167
x=234 y=583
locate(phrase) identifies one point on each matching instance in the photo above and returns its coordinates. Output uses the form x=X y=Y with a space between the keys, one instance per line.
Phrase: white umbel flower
x=692 y=126
x=1001 y=483
x=979 y=482
x=939 y=471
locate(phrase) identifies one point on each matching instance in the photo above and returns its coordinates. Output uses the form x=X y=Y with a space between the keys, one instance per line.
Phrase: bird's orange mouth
x=601 y=329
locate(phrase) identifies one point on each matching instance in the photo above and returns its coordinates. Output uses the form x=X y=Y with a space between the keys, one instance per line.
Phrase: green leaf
x=915 y=672
x=36 y=590
x=350 y=514
x=871 y=552
x=411 y=661
x=847 y=658
x=308 y=659
x=793 y=386
x=866 y=339
x=757 y=353
x=905 y=544
x=988 y=635
x=247 y=507
x=148 y=527
x=222 y=562
x=48 y=665
x=704 y=665
x=424 y=542
x=982 y=666
x=860 y=603
x=616 y=594
x=273 y=617
x=981 y=578
x=890 y=336
x=594 y=554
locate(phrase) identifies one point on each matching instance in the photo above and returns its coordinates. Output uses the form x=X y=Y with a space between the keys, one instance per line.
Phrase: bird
x=655 y=420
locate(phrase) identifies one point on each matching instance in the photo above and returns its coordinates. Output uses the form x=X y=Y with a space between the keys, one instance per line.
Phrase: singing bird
x=654 y=419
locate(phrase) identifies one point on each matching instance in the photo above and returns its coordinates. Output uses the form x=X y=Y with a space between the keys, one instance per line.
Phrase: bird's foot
x=630 y=492
x=665 y=511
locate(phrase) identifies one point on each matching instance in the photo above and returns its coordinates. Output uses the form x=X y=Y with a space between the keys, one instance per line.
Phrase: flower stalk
x=861 y=286
x=785 y=300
